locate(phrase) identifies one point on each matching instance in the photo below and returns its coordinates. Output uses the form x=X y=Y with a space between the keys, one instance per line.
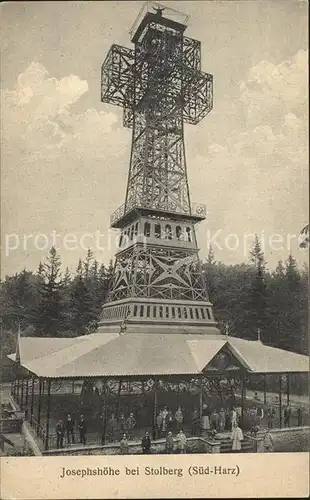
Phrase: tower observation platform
x=158 y=284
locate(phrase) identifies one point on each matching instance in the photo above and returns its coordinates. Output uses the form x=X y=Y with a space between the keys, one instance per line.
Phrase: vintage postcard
x=155 y=237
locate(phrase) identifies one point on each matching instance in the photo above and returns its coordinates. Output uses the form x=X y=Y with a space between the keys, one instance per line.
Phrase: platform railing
x=196 y=209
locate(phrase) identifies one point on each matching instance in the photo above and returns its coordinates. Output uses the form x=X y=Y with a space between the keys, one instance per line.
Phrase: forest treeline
x=247 y=298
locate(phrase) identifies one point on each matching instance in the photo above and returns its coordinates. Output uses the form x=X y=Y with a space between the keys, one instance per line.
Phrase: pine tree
x=210 y=258
x=19 y=299
x=65 y=293
x=279 y=271
x=105 y=277
x=295 y=304
x=257 y=311
x=82 y=307
x=40 y=269
x=49 y=317
x=209 y=271
x=79 y=269
x=87 y=264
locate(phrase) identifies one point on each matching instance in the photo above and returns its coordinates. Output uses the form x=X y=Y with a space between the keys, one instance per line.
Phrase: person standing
x=233 y=418
x=112 y=427
x=82 y=430
x=260 y=413
x=222 y=420
x=169 y=421
x=122 y=426
x=236 y=437
x=124 y=445
x=102 y=426
x=268 y=442
x=214 y=420
x=169 y=443
x=270 y=417
x=146 y=444
x=287 y=416
x=205 y=418
x=178 y=418
x=195 y=423
x=70 y=428
x=299 y=417
x=228 y=419
x=159 y=423
x=130 y=425
x=165 y=419
x=182 y=441
x=60 y=431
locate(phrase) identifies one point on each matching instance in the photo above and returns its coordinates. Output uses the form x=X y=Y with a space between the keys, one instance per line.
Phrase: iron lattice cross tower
x=158 y=283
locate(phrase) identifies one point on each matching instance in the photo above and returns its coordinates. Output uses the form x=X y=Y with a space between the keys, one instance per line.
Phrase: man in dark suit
x=82 y=430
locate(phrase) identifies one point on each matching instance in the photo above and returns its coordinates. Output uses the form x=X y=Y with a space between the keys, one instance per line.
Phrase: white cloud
x=56 y=161
x=273 y=90
x=260 y=172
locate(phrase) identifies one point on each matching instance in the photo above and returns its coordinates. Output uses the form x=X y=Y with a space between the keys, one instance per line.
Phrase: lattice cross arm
x=197 y=85
x=117 y=77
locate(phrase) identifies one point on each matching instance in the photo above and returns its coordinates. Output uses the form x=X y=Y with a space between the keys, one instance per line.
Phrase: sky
x=65 y=155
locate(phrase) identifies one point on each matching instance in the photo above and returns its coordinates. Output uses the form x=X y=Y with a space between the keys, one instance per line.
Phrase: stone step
x=246 y=446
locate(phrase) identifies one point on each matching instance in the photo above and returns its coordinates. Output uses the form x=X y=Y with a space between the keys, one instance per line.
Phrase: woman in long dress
x=236 y=437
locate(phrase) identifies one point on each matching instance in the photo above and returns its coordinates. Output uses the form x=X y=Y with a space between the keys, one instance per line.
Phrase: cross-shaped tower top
x=160 y=86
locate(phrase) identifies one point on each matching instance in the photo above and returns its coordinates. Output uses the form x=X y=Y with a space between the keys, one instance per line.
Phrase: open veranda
x=111 y=408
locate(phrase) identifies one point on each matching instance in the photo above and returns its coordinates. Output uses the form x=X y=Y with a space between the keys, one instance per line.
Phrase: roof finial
x=123 y=326
x=159 y=10
x=258 y=335
x=17 y=350
x=226 y=330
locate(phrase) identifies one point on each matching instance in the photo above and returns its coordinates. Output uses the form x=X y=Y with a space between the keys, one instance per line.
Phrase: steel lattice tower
x=158 y=284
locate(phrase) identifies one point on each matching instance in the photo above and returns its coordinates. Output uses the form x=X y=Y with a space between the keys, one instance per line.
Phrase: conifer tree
x=82 y=308
x=48 y=321
x=257 y=310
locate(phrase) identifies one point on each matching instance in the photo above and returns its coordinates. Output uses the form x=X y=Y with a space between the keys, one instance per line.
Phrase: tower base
x=158 y=316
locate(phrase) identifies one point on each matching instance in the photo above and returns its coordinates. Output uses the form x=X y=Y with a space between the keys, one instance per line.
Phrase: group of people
x=172 y=445
x=219 y=421
x=167 y=421
x=271 y=416
x=121 y=429
x=67 y=428
x=121 y=426
x=288 y=413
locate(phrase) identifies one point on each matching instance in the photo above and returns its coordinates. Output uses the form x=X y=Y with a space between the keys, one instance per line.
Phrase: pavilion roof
x=101 y=354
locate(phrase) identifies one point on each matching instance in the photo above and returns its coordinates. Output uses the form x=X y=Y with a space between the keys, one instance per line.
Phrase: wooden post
x=22 y=394
x=118 y=396
x=287 y=388
x=72 y=386
x=26 y=399
x=32 y=400
x=265 y=389
x=104 y=413
x=12 y=387
x=280 y=400
x=242 y=395
x=154 y=411
x=200 y=404
x=39 y=405
x=17 y=394
x=48 y=409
